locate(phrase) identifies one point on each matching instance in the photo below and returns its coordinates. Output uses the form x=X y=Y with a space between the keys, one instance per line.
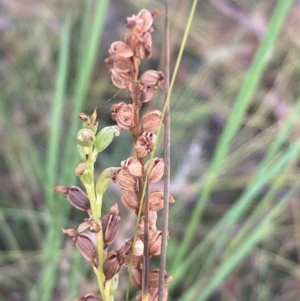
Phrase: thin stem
x=166 y=156
x=96 y=205
x=145 y=286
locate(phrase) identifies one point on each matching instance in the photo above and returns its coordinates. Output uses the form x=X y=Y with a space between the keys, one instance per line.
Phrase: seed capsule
x=151 y=121
x=129 y=199
x=125 y=179
x=136 y=277
x=111 y=265
x=155 y=242
x=110 y=224
x=133 y=165
x=156 y=169
x=75 y=195
x=152 y=222
x=84 y=245
x=146 y=93
x=123 y=114
x=120 y=79
x=156 y=200
x=120 y=49
x=144 y=144
x=152 y=78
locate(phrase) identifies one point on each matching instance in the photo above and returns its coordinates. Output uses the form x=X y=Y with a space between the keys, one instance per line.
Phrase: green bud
x=104 y=138
x=86 y=137
x=103 y=181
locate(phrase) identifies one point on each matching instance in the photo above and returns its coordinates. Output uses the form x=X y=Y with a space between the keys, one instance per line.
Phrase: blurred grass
x=235 y=144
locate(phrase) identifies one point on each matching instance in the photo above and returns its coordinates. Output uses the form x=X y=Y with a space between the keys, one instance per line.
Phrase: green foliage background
x=235 y=126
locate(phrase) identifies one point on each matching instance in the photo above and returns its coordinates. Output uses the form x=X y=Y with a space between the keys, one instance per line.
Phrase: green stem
x=96 y=205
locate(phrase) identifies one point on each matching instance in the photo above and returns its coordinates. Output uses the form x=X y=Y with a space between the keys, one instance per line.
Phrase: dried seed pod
x=125 y=179
x=120 y=49
x=111 y=265
x=144 y=144
x=136 y=277
x=156 y=169
x=152 y=219
x=110 y=224
x=129 y=199
x=120 y=79
x=152 y=222
x=152 y=78
x=140 y=23
x=147 y=44
x=154 y=278
x=132 y=260
x=156 y=200
x=151 y=121
x=145 y=93
x=84 y=244
x=123 y=114
x=133 y=165
x=75 y=195
x=155 y=242
x=123 y=65
x=153 y=291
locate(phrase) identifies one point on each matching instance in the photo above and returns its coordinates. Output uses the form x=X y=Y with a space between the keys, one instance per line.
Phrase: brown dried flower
x=144 y=144
x=90 y=121
x=152 y=78
x=90 y=224
x=120 y=80
x=140 y=23
x=146 y=93
x=120 y=49
x=123 y=114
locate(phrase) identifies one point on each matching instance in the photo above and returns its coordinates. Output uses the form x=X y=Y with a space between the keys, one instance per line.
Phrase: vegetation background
x=234 y=229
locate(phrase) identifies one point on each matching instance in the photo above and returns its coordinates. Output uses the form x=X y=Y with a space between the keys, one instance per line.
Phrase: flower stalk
x=134 y=176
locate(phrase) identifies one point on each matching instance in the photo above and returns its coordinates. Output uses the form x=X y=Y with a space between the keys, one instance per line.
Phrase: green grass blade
x=243 y=99
x=48 y=278
x=84 y=73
